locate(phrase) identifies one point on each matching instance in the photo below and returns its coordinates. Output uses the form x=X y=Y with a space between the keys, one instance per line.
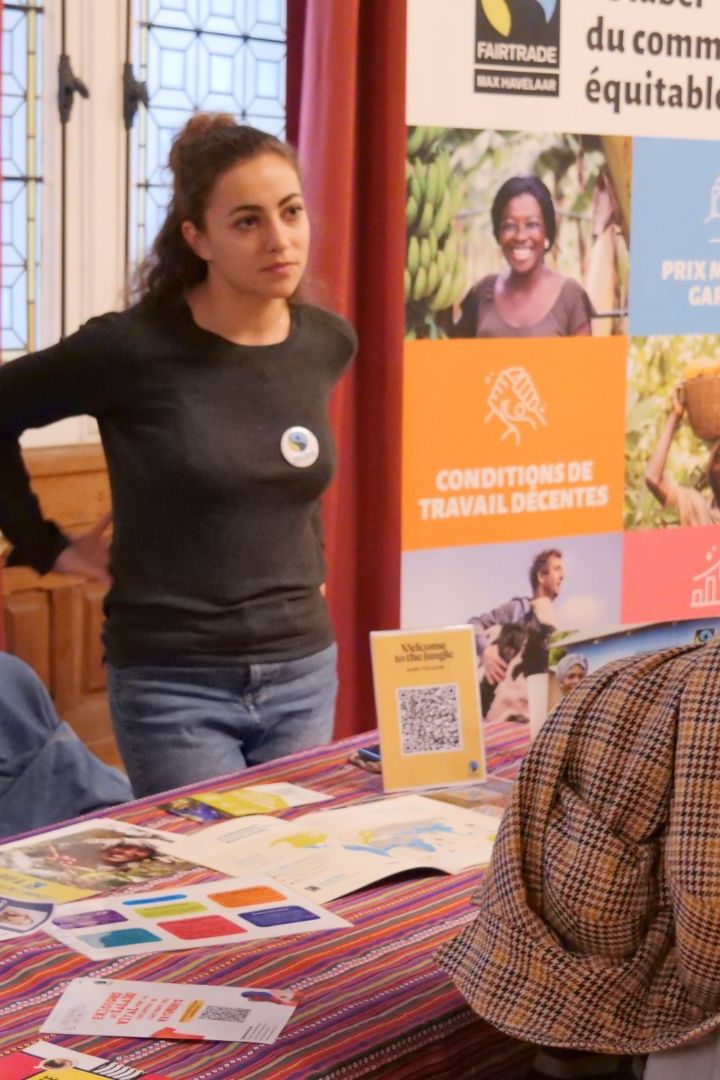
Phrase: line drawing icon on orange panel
x=514 y=400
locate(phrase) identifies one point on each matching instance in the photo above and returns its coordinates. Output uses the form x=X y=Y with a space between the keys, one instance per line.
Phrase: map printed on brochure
x=329 y=853
x=208 y=806
x=45 y=1061
x=170 y=1011
x=226 y=912
x=81 y=860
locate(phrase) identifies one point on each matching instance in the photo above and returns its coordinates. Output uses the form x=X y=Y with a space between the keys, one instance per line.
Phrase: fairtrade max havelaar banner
x=561 y=427
x=638 y=67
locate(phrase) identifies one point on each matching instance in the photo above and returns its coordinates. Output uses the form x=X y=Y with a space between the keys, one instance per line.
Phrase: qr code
x=220 y=1012
x=429 y=718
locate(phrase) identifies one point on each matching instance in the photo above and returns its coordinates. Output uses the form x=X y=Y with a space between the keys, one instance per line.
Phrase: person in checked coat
x=598 y=922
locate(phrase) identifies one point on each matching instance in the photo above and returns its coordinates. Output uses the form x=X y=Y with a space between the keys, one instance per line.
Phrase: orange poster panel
x=511 y=439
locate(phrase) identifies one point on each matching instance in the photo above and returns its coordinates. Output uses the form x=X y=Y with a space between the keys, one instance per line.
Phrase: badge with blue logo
x=299 y=447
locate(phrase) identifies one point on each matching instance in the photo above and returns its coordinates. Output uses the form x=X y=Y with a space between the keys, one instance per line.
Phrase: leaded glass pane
x=20 y=140
x=265 y=84
x=199 y=55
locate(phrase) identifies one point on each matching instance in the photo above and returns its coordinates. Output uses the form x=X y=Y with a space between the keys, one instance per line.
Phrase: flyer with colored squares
x=227 y=912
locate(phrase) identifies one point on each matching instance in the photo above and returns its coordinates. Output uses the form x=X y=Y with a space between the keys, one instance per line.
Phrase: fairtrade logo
x=298 y=440
x=300 y=447
x=517 y=47
x=514 y=400
x=498 y=14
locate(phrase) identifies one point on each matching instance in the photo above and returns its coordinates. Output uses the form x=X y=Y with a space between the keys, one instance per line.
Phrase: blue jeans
x=179 y=725
x=46 y=773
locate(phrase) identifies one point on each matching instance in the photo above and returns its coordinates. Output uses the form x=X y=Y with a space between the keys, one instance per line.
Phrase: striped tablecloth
x=372 y=1001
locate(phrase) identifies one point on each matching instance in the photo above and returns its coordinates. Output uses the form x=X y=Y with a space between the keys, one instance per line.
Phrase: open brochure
x=170 y=1011
x=326 y=854
x=79 y=860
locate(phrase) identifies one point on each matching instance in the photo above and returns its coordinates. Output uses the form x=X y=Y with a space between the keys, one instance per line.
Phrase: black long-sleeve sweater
x=216 y=553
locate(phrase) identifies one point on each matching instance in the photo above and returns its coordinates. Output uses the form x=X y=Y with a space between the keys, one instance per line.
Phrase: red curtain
x=2 y=609
x=352 y=150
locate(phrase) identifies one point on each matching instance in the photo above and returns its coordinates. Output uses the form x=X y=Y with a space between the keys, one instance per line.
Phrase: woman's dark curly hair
x=208 y=145
x=525 y=185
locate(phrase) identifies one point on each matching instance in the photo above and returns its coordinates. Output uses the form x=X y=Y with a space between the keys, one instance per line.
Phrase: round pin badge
x=299 y=447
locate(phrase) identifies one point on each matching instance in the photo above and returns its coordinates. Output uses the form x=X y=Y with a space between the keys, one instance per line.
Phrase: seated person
x=46 y=773
x=598 y=924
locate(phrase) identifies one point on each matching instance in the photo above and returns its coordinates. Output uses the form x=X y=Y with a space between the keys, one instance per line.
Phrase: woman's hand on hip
x=88 y=555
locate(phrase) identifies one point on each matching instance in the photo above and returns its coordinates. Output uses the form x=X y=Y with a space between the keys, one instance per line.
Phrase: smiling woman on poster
x=528 y=299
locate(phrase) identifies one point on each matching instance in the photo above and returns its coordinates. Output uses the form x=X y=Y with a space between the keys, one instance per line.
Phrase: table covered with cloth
x=372 y=1001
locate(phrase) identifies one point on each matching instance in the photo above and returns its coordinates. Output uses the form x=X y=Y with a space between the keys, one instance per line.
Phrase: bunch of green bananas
x=434 y=268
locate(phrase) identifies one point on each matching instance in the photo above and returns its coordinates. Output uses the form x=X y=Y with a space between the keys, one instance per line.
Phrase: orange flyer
x=428 y=707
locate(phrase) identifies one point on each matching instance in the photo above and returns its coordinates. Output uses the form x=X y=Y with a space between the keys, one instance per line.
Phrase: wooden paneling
x=27 y=629
x=53 y=621
x=71 y=483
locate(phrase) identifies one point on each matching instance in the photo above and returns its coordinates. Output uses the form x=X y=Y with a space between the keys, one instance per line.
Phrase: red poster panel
x=671 y=574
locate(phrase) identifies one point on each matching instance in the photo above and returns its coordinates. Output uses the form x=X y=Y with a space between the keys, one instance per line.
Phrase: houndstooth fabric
x=599 y=918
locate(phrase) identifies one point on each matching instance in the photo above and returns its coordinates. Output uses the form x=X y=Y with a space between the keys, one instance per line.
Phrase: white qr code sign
x=429 y=718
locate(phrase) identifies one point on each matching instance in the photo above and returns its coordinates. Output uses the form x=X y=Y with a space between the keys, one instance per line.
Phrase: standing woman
x=211 y=394
x=528 y=299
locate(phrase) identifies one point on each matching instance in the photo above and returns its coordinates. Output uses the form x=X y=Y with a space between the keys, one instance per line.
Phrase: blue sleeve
x=512 y=611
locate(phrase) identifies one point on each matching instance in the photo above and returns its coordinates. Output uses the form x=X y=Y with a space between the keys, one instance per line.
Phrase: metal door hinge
x=68 y=85
x=135 y=93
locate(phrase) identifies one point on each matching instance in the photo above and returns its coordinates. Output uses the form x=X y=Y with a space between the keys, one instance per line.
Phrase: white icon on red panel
x=706 y=593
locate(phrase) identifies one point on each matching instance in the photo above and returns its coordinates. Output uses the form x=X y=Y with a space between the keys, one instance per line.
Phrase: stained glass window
x=21 y=176
x=214 y=55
